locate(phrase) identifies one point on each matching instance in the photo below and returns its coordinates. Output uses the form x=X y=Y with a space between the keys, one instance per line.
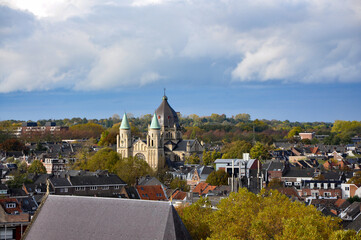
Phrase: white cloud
x=90 y=45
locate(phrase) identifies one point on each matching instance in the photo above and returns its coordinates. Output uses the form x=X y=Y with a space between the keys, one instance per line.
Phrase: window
x=116 y=187
x=79 y=188
x=332 y=185
x=347 y=189
x=62 y=190
x=159 y=194
x=105 y=188
x=318 y=185
x=327 y=194
x=288 y=183
x=93 y=188
x=325 y=185
x=11 y=205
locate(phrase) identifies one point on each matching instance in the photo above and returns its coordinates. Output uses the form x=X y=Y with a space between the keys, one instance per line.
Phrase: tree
x=267 y=215
x=236 y=149
x=196 y=218
x=208 y=157
x=12 y=145
x=275 y=183
x=193 y=159
x=356 y=179
x=180 y=184
x=294 y=131
x=86 y=130
x=345 y=235
x=217 y=178
x=355 y=198
x=131 y=169
x=259 y=151
x=104 y=159
x=37 y=167
x=244 y=117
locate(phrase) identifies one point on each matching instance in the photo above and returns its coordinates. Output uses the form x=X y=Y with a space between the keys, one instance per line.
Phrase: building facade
x=163 y=141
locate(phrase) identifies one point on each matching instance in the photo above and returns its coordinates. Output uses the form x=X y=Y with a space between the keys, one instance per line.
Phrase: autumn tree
x=12 y=145
x=244 y=117
x=294 y=131
x=217 y=178
x=86 y=130
x=267 y=215
x=196 y=218
x=356 y=179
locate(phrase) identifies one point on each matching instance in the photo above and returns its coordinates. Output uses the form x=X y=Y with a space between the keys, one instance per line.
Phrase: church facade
x=163 y=142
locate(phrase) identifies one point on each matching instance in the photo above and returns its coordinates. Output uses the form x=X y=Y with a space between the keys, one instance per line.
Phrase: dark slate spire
x=167 y=117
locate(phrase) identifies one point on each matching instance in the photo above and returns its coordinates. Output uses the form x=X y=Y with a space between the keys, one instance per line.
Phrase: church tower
x=155 y=158
x=124 y=139
x=169 y=121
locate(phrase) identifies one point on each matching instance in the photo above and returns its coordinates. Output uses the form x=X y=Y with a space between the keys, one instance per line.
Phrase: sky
x=297 y=60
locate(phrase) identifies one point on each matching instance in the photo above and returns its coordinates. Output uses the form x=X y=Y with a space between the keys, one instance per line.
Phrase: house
x=203 y=188
x=155 y=192
x=83 y=218
x=91 y=184
x=319 y=188
x=197 y=175
x=350 y=190
x=239 y=167
x=13 y=221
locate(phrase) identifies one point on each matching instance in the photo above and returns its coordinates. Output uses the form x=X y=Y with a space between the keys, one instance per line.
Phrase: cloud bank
x=99 y=45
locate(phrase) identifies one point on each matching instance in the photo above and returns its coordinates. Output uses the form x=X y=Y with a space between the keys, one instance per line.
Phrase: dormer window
x=11 y=205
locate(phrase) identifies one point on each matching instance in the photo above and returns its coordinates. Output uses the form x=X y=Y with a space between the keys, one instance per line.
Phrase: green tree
x=236 y=149
x=131 y=169
x=217 y=178
x=259 y=151
x=104 y=159
x=180 y=184
x=37 y=167
x=294 y=131
x=193 y=159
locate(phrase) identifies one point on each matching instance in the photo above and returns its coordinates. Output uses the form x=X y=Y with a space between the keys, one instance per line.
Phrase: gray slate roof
x=83 y=218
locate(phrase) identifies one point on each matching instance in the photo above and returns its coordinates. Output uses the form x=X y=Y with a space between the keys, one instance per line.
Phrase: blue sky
x=295 y=60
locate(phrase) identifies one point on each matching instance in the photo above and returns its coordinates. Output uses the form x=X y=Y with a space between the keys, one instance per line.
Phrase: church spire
x=125 y=123
x=155 y=123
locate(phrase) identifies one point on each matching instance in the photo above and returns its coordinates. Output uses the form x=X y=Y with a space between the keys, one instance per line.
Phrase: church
x=163 y=143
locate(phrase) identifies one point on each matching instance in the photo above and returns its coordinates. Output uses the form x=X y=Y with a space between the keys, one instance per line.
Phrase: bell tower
x=156 y=158
x=124 y=139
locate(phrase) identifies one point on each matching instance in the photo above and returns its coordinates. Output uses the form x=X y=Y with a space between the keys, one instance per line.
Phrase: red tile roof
x=5 y=201
x=203 y=188
x=179 y=195
x=153 y=192
x=339 y=202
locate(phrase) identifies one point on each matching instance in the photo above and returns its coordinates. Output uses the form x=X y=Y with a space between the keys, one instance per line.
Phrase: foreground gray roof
x=74 y=217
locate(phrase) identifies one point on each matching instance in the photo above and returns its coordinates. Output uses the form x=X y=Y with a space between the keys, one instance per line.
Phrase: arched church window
x=140 y=156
